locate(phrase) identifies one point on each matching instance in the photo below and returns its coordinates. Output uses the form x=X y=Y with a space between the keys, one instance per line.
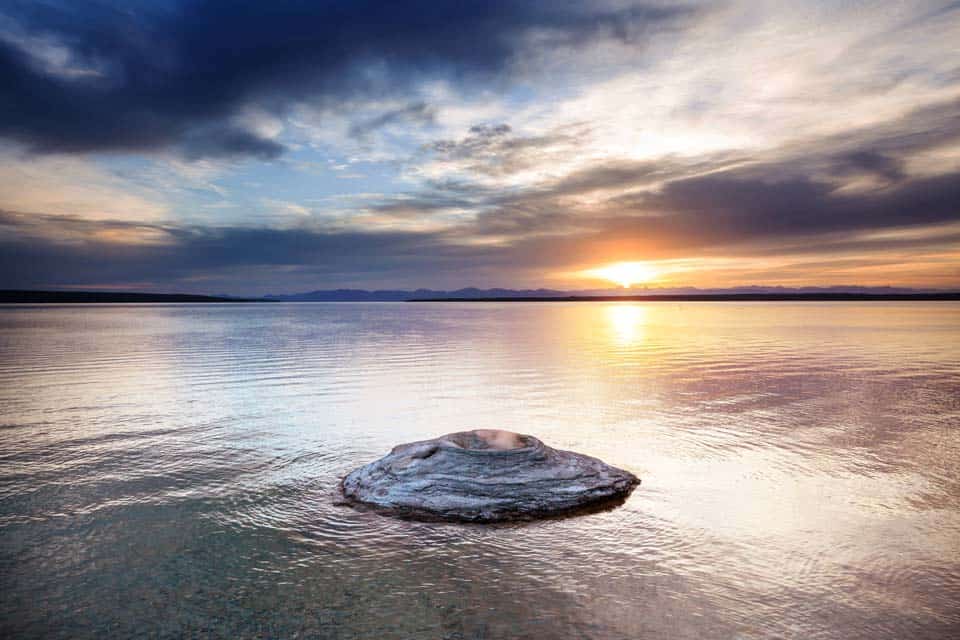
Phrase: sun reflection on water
x=627 y=322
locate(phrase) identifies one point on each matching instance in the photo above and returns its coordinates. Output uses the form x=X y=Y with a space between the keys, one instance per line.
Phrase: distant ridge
x=473 y=294
x=398 y=295
x=678 y=293
x=8 y=296
x=715 y=297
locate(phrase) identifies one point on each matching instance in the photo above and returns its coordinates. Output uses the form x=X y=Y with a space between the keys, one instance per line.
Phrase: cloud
x=416 y=113
x=226 y=142
x=872 y=162
x=808 y=229
x=495 y=154
x=171 y=75
x=502 y=143
x=727 y=209
x=60 y=251
x=71 y=186
x=789 y=199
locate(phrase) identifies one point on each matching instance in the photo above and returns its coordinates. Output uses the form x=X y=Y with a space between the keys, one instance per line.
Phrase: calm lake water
x=170 y=470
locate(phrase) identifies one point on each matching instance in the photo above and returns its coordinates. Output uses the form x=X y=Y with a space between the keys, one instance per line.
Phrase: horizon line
x=19 y=296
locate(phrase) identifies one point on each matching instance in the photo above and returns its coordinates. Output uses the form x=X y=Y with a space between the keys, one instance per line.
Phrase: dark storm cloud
x=730 y=209
x=140 y=76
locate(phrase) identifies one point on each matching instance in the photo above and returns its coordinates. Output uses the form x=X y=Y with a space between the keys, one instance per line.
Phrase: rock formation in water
x=485 y=476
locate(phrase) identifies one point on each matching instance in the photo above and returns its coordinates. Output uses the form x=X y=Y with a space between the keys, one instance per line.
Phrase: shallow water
x=169 y=470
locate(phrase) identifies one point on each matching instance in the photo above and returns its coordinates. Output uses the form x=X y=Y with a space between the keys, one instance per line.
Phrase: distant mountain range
x=472 y=293
x=396 y=295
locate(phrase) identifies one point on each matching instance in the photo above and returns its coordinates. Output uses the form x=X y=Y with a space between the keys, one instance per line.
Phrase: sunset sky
x=249 y=148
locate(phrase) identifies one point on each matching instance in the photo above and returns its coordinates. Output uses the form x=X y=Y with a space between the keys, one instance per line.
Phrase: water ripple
x=172 y=470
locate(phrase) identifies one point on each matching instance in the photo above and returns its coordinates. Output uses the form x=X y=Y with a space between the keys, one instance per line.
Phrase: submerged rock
x=485 y=476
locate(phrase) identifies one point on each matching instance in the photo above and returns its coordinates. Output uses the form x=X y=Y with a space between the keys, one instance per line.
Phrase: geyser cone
x=486 y=476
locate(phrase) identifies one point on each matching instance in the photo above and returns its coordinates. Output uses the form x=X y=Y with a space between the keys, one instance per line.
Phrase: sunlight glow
x=626 y=273
x=627 y=323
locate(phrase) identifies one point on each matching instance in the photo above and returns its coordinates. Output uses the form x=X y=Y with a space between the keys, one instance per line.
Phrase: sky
x=243 y=147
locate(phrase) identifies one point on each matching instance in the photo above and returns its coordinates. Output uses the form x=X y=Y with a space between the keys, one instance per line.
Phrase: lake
x=170 y=470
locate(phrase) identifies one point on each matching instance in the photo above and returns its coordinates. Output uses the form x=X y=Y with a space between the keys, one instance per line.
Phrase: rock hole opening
x=489 y=439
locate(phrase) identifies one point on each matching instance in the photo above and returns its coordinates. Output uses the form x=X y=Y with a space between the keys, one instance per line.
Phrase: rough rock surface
x=485 y=476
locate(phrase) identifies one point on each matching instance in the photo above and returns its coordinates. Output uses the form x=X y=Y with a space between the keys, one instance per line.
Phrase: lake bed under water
x=171 y=470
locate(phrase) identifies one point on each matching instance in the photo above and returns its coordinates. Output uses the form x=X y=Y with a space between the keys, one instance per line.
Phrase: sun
x=626 y=273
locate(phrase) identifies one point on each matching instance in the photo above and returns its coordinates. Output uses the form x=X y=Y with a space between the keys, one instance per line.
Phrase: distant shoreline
x=718 y=297
x=13 y=296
